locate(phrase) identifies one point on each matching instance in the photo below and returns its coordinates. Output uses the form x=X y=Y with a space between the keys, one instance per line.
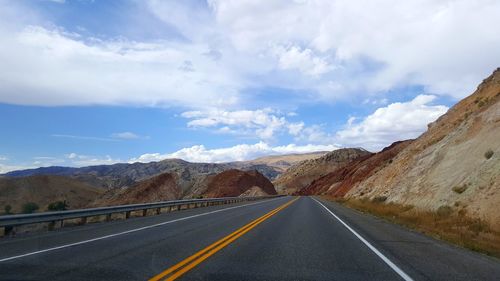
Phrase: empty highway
x=286 y=238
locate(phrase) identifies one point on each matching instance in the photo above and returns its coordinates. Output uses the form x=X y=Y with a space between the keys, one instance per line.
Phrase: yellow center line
x=208 y=251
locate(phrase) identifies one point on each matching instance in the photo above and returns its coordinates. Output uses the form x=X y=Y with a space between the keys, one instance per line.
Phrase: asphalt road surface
x=287 y=238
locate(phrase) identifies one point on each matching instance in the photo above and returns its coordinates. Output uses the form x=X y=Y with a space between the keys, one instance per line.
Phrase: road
x=287 y=238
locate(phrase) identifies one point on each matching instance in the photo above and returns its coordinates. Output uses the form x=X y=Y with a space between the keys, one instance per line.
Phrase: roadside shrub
x=478 y=225
x=488 y=154
x=58 y=206
x=444 y=211
x=29 y=208
x=379 y=199
x=7 y=209
x=460 y=189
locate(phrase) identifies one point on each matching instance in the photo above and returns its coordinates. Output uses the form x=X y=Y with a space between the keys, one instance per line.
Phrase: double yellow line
x=189 y=263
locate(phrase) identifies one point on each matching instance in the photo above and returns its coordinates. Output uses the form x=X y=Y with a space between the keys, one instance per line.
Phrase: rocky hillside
x=341 y=180
x=159 y=188
x=235 y=182
x=282 y=162
x=126 y=175
x=189 y=174
x=166 y=187
x=454 y=164
x=44 y=190
x=303 y=173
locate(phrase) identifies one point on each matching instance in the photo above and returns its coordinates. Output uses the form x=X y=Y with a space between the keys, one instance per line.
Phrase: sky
x=100 y=82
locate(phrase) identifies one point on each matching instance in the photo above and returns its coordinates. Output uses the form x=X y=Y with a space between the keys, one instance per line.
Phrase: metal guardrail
x=10 y=221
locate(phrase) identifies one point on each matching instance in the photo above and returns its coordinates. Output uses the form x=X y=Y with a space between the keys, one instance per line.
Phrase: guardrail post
x=83 y=220
x=127 y=214
x=158 y=211
x=144 y=212
x=108 y=217
x=51 y=225
x=8 y=230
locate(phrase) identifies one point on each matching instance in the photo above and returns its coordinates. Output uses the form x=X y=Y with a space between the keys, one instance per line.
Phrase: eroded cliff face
x=163 y=187
x=235 y=182
x=455 y=163
x=303 y=173
x=342 y=180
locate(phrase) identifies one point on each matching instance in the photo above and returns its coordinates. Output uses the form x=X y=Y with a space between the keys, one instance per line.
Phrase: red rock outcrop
x=340 y=181
x=235 y=182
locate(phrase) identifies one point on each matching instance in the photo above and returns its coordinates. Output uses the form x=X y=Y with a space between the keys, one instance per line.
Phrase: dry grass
x=447 y=223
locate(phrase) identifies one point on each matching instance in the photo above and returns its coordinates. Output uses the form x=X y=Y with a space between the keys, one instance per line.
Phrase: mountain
x=166 y=187
x=43 y=190
x=341 y=180
x=454 y=164
x=138 y=182
x=303 y=173
x=126 y=175
x=283 y=162
x=235 y=182
x=163 y=187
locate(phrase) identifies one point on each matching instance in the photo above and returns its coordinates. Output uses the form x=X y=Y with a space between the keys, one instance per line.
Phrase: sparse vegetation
x=444 y=211
x=379 y=199
x=446 y=223
x=58 y=206
x=488 y=154
x=7 y=209
x=481 y=102
x=29 y=208
x=460 y=189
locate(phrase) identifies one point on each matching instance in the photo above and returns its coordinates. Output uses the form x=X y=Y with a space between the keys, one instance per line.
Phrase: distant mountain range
x=125 y=174
x=140 y=182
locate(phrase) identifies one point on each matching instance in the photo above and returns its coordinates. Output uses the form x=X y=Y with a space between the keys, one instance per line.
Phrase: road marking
x=129 y=231
x=394 y=267
x=189 y=263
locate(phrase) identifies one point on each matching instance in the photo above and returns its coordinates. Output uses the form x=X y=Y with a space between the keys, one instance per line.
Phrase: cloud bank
x=331 y=49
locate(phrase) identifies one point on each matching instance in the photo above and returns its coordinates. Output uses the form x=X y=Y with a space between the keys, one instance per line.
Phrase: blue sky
x=98 y=82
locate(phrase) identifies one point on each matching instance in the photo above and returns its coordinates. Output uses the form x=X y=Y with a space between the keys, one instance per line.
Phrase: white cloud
x=397 y=121
x=8 y=168
x=339 y=48
x=199 y=153
x=3 y=158
x=304 y=60
x=446 y=46
x=80 y=160
x=53 y=67
x=262 y=123
x=128 y=136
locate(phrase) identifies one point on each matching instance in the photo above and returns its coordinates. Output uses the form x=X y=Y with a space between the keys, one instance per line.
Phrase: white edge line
x=394 y=267
x=129 y=231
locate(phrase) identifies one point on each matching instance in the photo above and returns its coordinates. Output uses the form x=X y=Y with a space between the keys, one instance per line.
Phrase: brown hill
x=235 y=182
x=340 y=181
x=189 y=175
x=303 y=173
x=454 y=164
x=282 y=162
x=159 y=188
x=44 y=190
